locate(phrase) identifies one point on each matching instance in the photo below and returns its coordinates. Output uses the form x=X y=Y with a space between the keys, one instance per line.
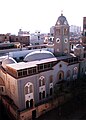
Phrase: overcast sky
x=40 y=15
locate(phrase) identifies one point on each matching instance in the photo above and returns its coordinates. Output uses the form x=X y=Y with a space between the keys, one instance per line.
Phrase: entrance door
x=33 y=114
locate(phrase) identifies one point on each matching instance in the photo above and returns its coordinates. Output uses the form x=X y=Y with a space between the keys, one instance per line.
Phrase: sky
x=32 y=15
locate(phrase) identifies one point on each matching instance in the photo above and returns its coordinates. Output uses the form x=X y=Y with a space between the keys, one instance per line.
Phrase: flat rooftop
x=24 y=65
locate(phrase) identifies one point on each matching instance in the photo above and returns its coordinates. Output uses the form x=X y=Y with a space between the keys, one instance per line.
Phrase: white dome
x=8 y=60
x=38 y=55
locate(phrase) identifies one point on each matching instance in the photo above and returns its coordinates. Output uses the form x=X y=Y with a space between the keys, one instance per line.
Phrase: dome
x=8 y=60
x=38 y=55
x=62 y=20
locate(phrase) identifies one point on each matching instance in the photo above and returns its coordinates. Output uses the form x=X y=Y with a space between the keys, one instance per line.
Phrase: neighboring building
x=24 y=40
x=84 y=26
x=29 y=85
x=5 y=38
x=75 y=29
x=37 y=38
x=52 y=31
x=23 y=33
x=84 y=31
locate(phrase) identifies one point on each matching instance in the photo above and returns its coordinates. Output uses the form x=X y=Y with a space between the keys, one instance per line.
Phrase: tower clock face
x=57 y=40
x=66 y=40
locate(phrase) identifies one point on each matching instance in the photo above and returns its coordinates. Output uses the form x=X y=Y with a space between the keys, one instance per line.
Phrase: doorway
x=33 y=114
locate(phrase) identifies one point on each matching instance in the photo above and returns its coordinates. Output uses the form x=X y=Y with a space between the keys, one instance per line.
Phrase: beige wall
x=12 y=89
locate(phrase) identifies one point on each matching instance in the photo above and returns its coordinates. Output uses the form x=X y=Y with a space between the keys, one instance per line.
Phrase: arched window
x=26 y=90
x=41 y=81
x=60 y=75
x=27 y=104
x=75 y=70
x=29 y=95
x=30 y=89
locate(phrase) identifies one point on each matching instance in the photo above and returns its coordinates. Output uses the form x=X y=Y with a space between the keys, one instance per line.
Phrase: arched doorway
x=31 y=103
x=27 y=104
x=60 y=76
x=60 y=82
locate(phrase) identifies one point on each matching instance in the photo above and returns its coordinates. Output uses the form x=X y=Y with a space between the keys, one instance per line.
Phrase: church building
x=27 y=86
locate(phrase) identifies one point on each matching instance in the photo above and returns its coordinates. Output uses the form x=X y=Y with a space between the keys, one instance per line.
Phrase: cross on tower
x=61 y=12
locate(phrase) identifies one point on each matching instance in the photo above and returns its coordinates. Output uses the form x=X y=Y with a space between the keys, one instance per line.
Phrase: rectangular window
x=41 y=67
x=24 y=72
x=48 y=65
x=30 y=71
x=34 y=70
x=20 y=73
x=45 y=66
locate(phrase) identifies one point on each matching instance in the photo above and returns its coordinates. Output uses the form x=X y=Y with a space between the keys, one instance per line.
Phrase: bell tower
x=61 y=36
